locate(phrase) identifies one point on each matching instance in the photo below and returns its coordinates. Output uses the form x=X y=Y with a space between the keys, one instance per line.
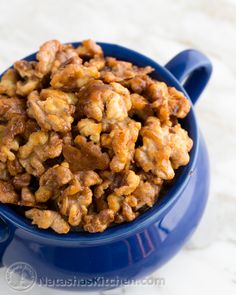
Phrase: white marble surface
x=160 y=29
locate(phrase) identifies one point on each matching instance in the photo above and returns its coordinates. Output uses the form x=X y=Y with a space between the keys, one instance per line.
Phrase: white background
x=159 y=29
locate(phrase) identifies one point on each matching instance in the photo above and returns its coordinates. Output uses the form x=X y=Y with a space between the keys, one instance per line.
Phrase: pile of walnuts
x=87 y=141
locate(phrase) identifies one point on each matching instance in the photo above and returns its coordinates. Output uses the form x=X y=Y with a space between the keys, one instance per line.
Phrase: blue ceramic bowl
x=128 y=251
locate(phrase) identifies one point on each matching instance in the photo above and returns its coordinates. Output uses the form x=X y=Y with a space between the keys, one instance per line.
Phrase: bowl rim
x=152 y=214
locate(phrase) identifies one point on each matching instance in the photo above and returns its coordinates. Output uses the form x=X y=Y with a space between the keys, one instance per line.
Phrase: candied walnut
x=10 y=107
x=27 y=71
x=86 y=156
x=46 y=57
x=146 y=193
x=91 y=129
x=7 y=151
x=8 y=142
x=118 y=103
x=155 y=153
x=4 y=174
x=75 y=206
x=97 y=62
x=67 y=54
x=77 y=196
x=73 y=76
x=98 y=222
x=167 y=101
x=129 y=183
x=108 y=179
x=48 y=219
x=91 y=99
x=7 y=193
x=40 y=147
x=100 y=203
x=137 y=84
x=117 y=70
x=30 y=127
x=180 y=144
x=89 y=49
x=21 y=180
x=27 y=197
x=99 y=101
x=158 y=93
x=179 y=105
x=14 y=167
x=24 y=88
x=140 y=107
x=121 y=140
x=68 y=97
x=8 y=83
x=51 y=110
x=68 y=139
x=127 y=212
x=51 y=182
x=88 y=178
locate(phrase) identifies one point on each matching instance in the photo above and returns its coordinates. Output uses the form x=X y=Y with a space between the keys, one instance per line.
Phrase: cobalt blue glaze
x=136 y=249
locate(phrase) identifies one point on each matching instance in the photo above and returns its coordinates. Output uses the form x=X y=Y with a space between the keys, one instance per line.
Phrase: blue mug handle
x=192 y=67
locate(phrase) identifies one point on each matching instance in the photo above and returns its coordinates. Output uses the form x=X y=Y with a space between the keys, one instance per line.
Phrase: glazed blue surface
x=135 y=249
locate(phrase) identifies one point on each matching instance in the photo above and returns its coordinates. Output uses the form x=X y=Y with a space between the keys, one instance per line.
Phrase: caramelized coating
x=25 y=69
x=46 y=57
x=164 y=148
x=87 y=141
x=91 y=129
x=66 y=55
x=138 y=84
x=29 y=80
x=8 y=140
x=73 y=76
x=121 y=141
x=51 y=182
x=154 y=155
x=40 y=147
x=89 y=49
x=178 y=104
x=91 y=99
x=4 y=174
x=118 y=103
x=181 y=145
x=128 y=185
x=118 y=71
x=48 y=219
x=77 y=197
x=14 y=167
x=98 y=222
x=8 y=83
x=10 y=107
x=86 y=156
x=21 y=180
x=7 y=193
x=51 y=109
x=140 y=107
x=167 y=101
x=147 y=191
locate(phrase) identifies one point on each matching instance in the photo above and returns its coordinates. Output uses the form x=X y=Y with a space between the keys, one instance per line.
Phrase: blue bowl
x=126 y=252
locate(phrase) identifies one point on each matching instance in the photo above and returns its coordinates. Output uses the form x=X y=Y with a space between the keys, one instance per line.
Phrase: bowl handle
x=4 y=237
x=193 y=69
